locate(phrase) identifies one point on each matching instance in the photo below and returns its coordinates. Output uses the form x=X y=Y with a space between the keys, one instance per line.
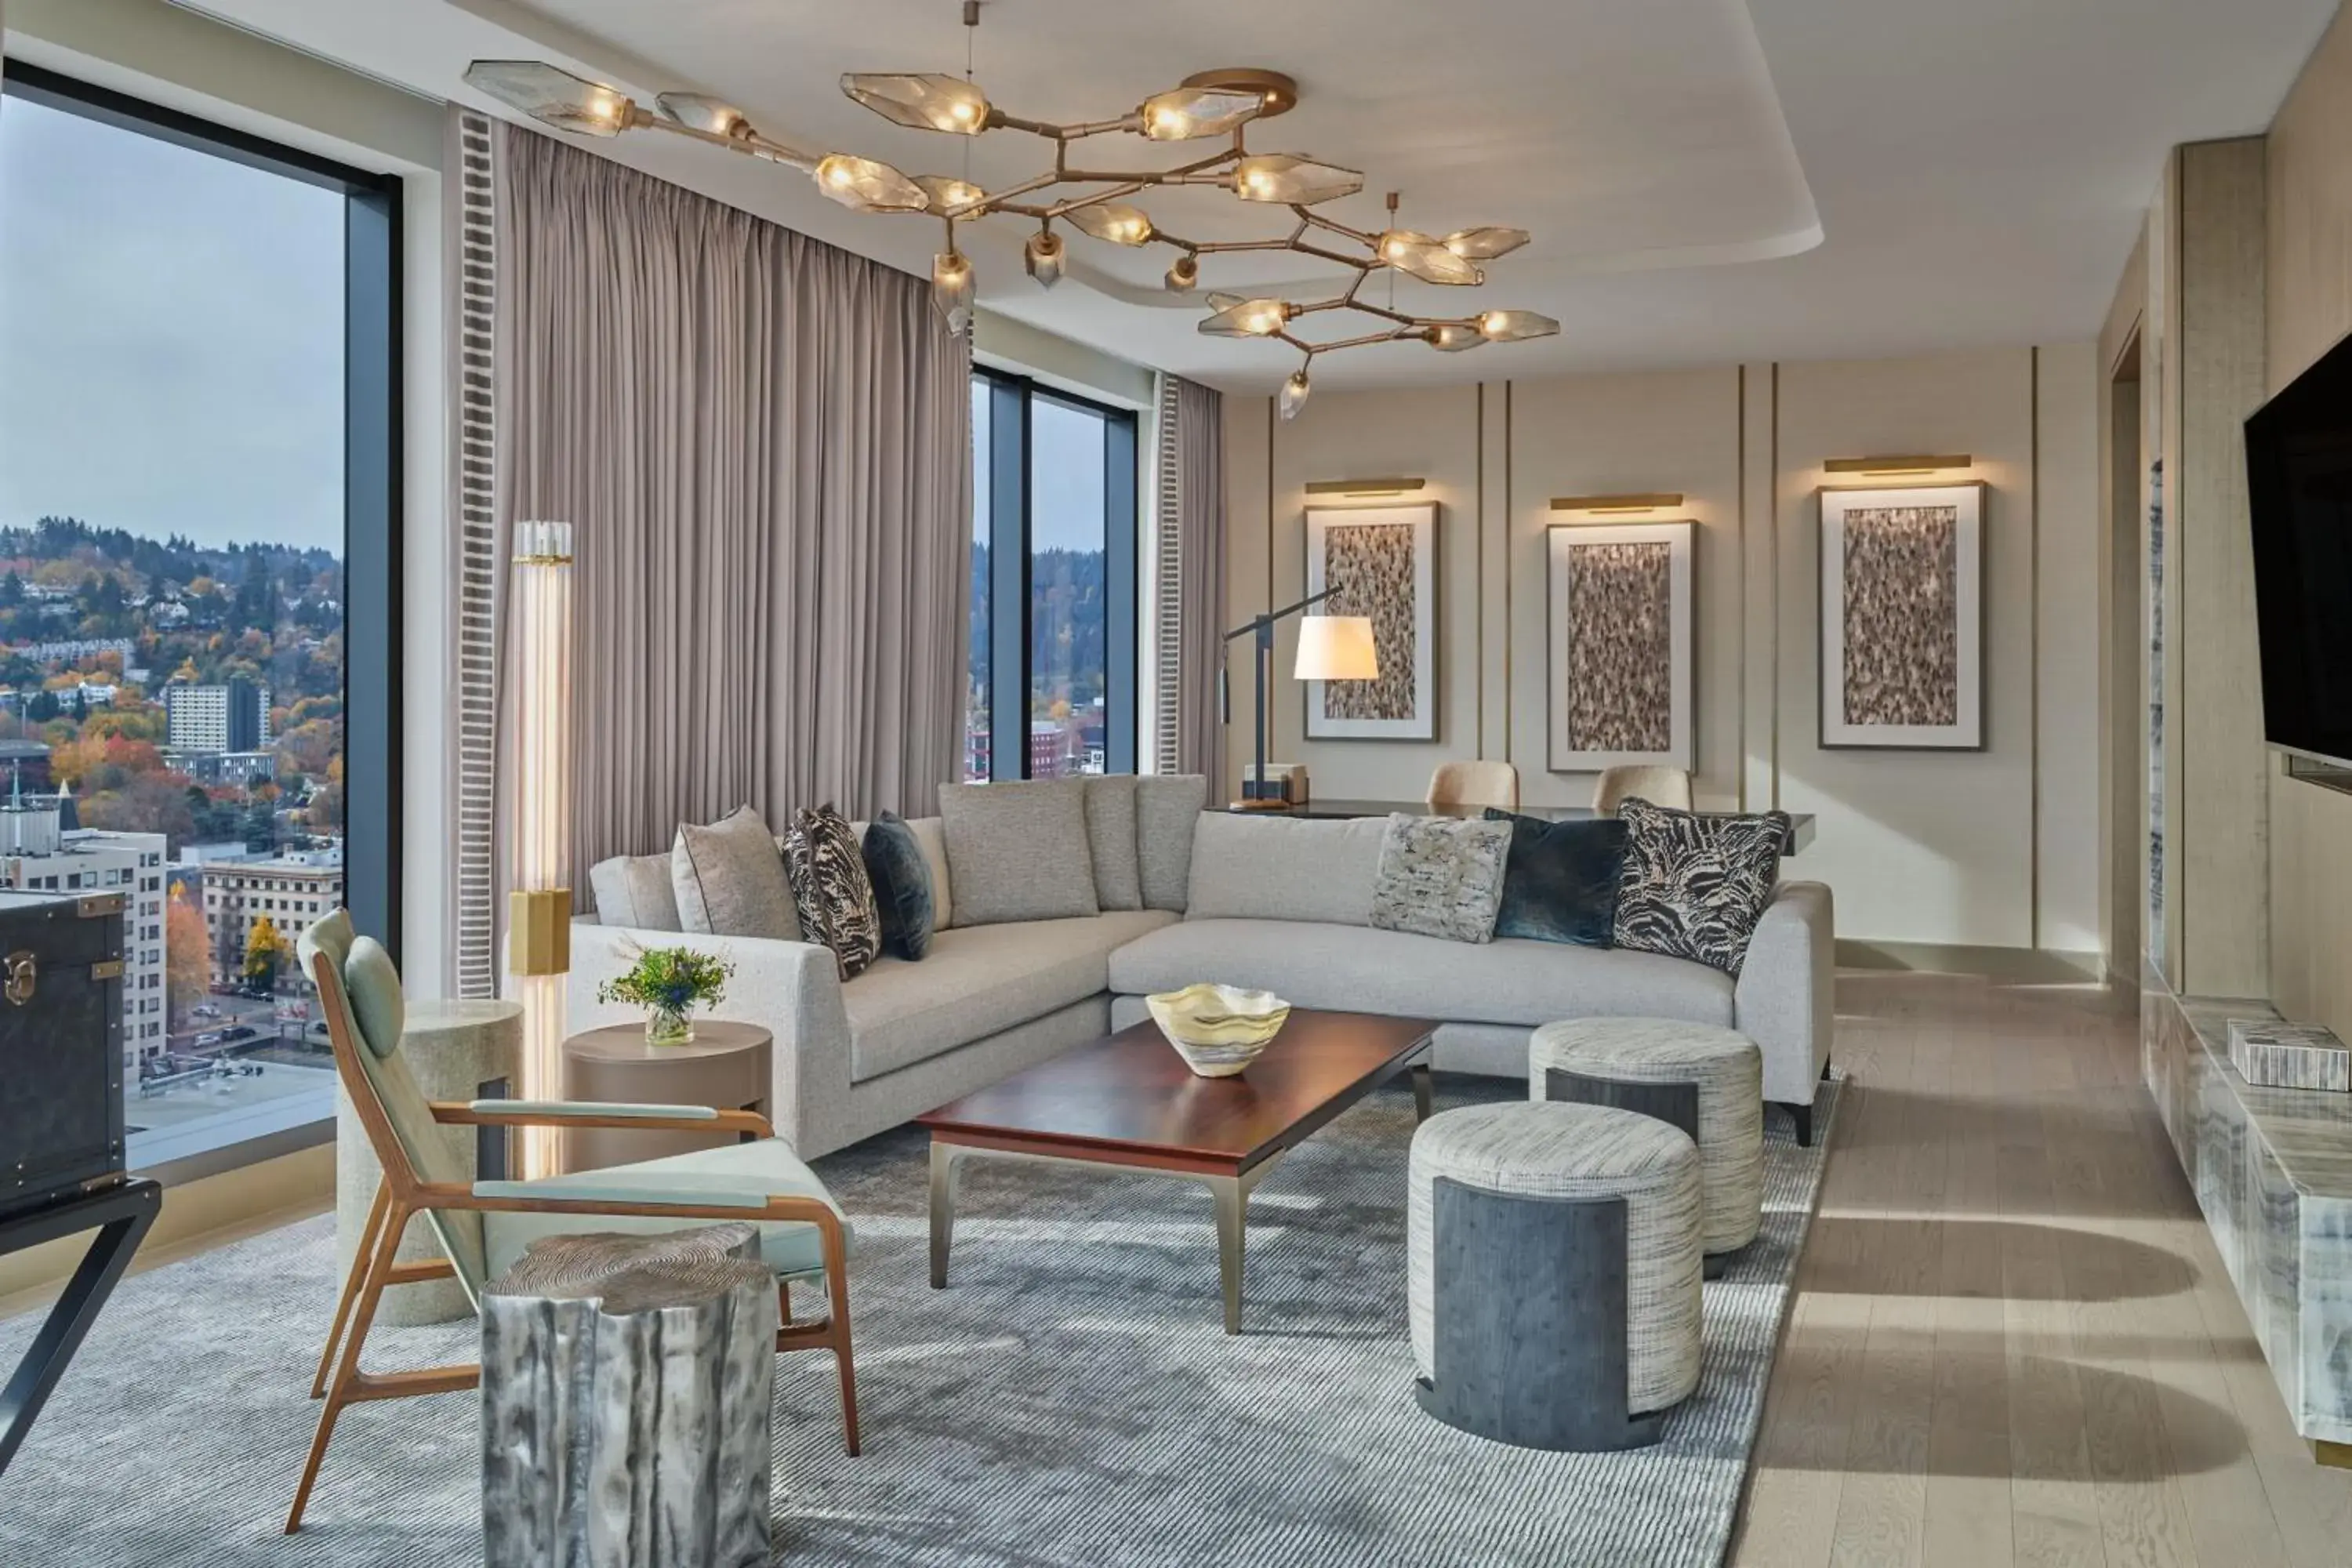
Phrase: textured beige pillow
x=1168 y=807
x=933 y=836
x=1111 y=840
x=1018 y=851
x=730 y=879
x=635 y=890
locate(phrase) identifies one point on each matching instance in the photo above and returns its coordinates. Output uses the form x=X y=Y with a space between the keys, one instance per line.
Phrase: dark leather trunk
x=60 y=1046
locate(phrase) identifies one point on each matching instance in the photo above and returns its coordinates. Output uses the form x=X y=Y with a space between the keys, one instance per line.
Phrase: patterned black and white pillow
x=830 y=887
x=1694 y=887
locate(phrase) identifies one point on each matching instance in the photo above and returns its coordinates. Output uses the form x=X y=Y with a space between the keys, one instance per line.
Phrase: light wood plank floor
x=2014 y=1342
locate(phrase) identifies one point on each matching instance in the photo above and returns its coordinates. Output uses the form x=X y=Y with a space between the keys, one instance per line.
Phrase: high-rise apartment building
x=37 y=854
x=292 y=890
x=230 y=718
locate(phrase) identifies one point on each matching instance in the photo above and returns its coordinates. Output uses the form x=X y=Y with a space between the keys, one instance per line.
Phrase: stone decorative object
x=456 y=1050
x=2272 y=1169
x=1218 y=1031
x=2274 y=1055
x=626 y=1384
x=1707 y=1081
x=1552 y=1273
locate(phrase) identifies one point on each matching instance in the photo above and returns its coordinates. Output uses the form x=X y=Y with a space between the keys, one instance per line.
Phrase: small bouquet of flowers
x=668 y=983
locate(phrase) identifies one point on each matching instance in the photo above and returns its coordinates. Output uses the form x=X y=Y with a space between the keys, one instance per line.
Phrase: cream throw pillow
x=730 y=879
x=1018 y=851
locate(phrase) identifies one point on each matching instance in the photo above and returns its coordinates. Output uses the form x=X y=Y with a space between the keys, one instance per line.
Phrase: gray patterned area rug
x=1071 y=1399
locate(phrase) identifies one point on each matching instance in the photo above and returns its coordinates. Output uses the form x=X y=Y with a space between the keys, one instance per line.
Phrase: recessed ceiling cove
x=1703 y=181
x=1619 y=137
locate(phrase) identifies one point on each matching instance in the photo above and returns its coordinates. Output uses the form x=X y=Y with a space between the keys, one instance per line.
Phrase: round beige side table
x=455 y=1050
x=725 y=1066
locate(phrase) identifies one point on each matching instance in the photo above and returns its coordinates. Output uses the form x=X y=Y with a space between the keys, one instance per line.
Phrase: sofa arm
x=1786 y=997
x=791 y=989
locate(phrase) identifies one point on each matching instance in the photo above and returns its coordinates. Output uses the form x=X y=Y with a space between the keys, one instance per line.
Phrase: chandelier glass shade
x=1094 y=201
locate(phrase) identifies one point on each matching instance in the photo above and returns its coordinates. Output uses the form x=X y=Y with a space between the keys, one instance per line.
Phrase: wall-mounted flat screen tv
x=2299 y=481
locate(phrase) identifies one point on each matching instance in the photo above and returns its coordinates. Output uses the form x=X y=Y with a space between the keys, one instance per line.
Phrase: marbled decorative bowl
x=1218 y=1029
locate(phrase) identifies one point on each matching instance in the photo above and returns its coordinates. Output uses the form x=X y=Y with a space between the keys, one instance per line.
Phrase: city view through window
x=172 y=680
x=1068 y=700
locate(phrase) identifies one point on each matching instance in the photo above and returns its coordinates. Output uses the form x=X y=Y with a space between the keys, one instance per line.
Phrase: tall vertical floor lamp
x=539 y=909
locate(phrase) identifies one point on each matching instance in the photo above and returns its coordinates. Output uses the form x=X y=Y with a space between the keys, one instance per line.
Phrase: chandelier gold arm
x=1216 y=103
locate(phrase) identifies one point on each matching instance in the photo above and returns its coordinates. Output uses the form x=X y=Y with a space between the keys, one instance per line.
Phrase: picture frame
x=1381 y=561
x=1902 y=617
x=1619 y=657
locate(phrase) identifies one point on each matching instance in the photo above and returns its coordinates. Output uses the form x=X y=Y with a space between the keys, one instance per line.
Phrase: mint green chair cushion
x=366 y=969
x=730 y=1174
x=332 y=936
x=373 y=984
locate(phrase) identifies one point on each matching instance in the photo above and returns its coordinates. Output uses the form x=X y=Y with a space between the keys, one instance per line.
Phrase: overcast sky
x=170 y=338
x=1066 y=474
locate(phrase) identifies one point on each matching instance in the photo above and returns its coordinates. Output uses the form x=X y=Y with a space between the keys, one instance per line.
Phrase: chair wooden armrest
x=591 y=1113
x=753 y=1206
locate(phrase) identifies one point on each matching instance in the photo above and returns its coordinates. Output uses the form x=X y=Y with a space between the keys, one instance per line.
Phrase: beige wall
x=2308 y=187
x=1997 y=850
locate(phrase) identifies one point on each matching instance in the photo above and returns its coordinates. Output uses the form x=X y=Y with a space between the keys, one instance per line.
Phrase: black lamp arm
x=1261 y=630
x=1266 y=621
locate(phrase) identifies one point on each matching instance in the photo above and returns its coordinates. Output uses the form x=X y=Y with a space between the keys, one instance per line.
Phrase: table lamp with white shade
x=1331 y=647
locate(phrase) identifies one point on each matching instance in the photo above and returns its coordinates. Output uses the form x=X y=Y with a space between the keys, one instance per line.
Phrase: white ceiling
x=1705 y=180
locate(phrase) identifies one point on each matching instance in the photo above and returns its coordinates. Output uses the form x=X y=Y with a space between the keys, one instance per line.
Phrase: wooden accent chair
x=484 y=1226
x=1663 y=786
x=1475 y=783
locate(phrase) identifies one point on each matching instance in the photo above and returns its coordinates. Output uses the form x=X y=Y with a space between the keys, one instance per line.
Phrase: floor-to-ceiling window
x=1053 y=588
x=198 y=434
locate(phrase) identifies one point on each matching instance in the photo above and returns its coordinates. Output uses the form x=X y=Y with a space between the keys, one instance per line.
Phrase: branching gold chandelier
x=1214 y=103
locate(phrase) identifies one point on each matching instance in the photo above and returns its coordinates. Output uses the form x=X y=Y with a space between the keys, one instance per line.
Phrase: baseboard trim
x=197 y=1216
x=2023 y=965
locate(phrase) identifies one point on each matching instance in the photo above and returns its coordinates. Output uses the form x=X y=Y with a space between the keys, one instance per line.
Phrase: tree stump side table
x=626 y=1387
x=725 y=1066
x=455 y=1051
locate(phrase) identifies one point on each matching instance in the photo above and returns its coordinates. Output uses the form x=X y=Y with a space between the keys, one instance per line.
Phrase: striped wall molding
x=476 y=565
x=1167 y=590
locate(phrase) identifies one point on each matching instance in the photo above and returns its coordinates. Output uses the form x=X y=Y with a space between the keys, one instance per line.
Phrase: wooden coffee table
x=1128 y=1101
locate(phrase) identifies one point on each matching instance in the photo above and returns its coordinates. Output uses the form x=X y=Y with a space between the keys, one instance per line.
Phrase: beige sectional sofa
x=1270 y=903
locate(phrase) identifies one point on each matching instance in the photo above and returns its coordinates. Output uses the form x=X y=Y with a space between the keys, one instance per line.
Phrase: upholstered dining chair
x=484 y=1226
x=1669 y=787
x=1475 y=783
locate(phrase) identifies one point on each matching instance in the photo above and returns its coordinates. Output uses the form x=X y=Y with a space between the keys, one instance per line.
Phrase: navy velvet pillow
x=902 y=885
x=1561 y=879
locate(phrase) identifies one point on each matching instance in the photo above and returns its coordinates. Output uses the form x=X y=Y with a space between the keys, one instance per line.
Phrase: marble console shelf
x=2273 y=1173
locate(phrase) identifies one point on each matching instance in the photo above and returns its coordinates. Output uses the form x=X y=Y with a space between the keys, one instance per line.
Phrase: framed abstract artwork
x=1901 y=608
x=1618 y=659
x=1381 y=563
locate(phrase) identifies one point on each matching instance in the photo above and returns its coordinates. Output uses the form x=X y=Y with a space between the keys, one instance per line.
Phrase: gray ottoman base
x=1529 y=1304
x=1675 y=1104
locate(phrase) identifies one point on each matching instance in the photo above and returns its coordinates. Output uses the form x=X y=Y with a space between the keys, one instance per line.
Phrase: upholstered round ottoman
x=1706 y=1080
x=1552 y=1273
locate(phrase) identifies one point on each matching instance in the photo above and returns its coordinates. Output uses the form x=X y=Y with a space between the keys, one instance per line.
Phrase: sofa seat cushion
x=768 y=1165
x=1511 y=979
x=979 y=981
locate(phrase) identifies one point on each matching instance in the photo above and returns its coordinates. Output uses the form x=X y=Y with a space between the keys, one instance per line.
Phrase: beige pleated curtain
x=764 y=444
x=1200 y=519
